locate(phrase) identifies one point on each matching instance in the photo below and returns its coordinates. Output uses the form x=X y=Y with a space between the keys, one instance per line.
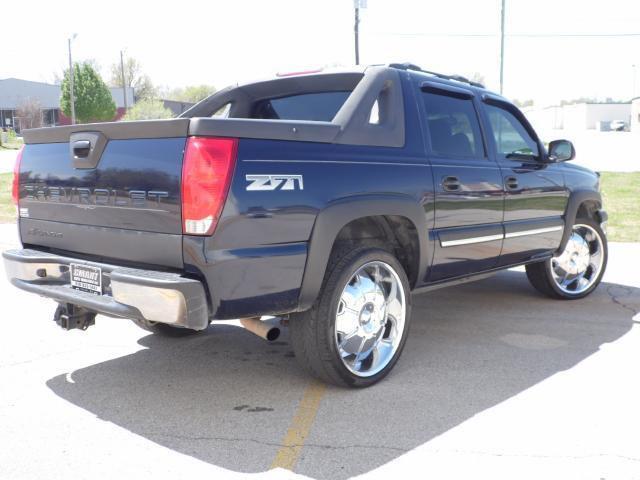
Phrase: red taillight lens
x=206 y=175
x=15 y=192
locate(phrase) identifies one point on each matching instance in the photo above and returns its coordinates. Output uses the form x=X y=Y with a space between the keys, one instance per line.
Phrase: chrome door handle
x=511 y=183
x=451 y=184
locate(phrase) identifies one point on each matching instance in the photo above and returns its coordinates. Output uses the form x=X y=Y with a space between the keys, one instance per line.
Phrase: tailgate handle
x=81 y=148
x=85 y=148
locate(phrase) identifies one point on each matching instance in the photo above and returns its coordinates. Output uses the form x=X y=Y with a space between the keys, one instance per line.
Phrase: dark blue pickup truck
x=327 y=198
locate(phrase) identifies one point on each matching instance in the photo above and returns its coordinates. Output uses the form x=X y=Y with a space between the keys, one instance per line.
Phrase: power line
x=523 y=35
x=573 y=35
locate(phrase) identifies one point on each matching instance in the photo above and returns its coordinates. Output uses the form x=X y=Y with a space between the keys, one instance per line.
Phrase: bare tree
x=134 y=77
x=29 y=114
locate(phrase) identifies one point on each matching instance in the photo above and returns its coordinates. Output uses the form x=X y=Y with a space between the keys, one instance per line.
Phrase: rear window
x=318 y=107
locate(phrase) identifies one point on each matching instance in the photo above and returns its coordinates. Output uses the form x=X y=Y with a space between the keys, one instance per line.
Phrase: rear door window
x=318 y=107
x=453 y=127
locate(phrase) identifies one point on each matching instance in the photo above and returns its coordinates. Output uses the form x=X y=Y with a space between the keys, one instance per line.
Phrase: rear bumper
x=130 y=293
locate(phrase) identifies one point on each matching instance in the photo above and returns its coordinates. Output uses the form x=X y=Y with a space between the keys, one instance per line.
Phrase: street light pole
x=71 y=75
x=124 y=83
x=502 y=47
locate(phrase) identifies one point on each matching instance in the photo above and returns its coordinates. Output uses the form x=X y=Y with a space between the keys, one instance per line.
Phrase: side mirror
x=561 y=151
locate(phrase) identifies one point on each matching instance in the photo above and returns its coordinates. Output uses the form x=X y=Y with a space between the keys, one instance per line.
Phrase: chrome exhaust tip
x=262 y=329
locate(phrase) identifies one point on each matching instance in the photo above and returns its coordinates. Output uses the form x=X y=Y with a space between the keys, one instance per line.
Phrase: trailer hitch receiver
x=70 y=316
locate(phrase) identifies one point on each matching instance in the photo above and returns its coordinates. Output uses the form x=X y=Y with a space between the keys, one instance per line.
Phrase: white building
x=579 y=116
x=14 y=91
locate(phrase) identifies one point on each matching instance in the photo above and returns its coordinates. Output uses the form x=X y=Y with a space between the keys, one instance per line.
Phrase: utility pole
x=355 y=30
x=502 y=47
x=357 y=5
x=71 y=79
x=124 y=83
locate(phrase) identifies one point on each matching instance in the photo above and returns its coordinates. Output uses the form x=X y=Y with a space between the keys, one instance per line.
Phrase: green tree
x=93 y=101
x=148 y=109
x=192 y=93
x=133 y=77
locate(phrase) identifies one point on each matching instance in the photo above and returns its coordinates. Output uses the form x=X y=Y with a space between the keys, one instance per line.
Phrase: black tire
x=540 y=276
x=312 y=332
x=164 y=329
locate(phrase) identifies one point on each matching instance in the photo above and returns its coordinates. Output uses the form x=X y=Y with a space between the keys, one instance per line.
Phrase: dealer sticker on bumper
x=86 y=278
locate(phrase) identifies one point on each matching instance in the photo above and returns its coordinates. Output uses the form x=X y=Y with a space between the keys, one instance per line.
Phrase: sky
x=554 y=49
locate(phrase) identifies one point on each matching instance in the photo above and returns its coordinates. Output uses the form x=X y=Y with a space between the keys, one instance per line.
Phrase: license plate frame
x=85 y=278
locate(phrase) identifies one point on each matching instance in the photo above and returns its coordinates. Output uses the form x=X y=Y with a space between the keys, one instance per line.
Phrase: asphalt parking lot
x=495 y=381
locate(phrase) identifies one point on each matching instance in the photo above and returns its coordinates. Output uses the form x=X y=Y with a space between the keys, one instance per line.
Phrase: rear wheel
x=165 y=329
x=356 y=330
x=578 y=270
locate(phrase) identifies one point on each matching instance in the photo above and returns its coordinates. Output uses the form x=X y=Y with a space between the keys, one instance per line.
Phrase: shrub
x=148 y=109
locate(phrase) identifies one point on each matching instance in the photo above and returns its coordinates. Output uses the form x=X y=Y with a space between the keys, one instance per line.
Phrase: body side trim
x=455 y=236
x=355 y=162
x=535 y=231
x=470 y=240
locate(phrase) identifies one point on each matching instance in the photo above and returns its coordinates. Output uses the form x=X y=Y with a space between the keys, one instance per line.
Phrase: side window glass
x=374 y=117
x=509 y=134
x=452 y=126
x=318 y=107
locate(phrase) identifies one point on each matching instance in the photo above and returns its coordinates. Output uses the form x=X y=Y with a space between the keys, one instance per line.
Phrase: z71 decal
x=274 y=182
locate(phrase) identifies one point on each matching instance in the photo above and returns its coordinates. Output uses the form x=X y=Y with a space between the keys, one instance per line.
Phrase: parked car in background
x=618 y=125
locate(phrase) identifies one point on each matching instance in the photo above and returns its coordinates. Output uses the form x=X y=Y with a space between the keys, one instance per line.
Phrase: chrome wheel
x=370 y=319
x=580 y=264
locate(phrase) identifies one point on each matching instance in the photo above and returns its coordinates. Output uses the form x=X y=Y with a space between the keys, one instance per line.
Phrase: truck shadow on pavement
x=226 y=397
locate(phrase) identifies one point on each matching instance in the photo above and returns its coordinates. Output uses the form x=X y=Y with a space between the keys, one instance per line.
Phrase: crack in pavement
x=401 y=450
x=273 y=444
x=387 y=447
x=533 y=455
x=616 y=298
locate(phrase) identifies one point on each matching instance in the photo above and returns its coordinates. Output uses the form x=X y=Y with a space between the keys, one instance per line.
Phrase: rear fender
x=332 y=219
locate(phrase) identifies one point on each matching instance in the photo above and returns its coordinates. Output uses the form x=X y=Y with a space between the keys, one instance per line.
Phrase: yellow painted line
x=300 y=427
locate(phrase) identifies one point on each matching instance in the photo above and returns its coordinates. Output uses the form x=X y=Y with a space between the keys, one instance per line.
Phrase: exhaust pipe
x=262 y=329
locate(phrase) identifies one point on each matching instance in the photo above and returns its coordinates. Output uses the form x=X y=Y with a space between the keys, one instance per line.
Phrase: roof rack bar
x=458 y=78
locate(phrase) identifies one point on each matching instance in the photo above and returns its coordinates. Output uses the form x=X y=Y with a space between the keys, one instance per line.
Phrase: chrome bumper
x=128 y=292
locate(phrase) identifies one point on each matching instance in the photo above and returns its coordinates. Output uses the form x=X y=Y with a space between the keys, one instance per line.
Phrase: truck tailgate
x=125 y=205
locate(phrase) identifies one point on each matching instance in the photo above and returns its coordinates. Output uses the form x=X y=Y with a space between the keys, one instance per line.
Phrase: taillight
x=206 y=174
x=15 y=192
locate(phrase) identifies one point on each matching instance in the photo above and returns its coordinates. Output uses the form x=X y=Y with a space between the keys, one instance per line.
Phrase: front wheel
x=578 y=270
x=356 y=330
